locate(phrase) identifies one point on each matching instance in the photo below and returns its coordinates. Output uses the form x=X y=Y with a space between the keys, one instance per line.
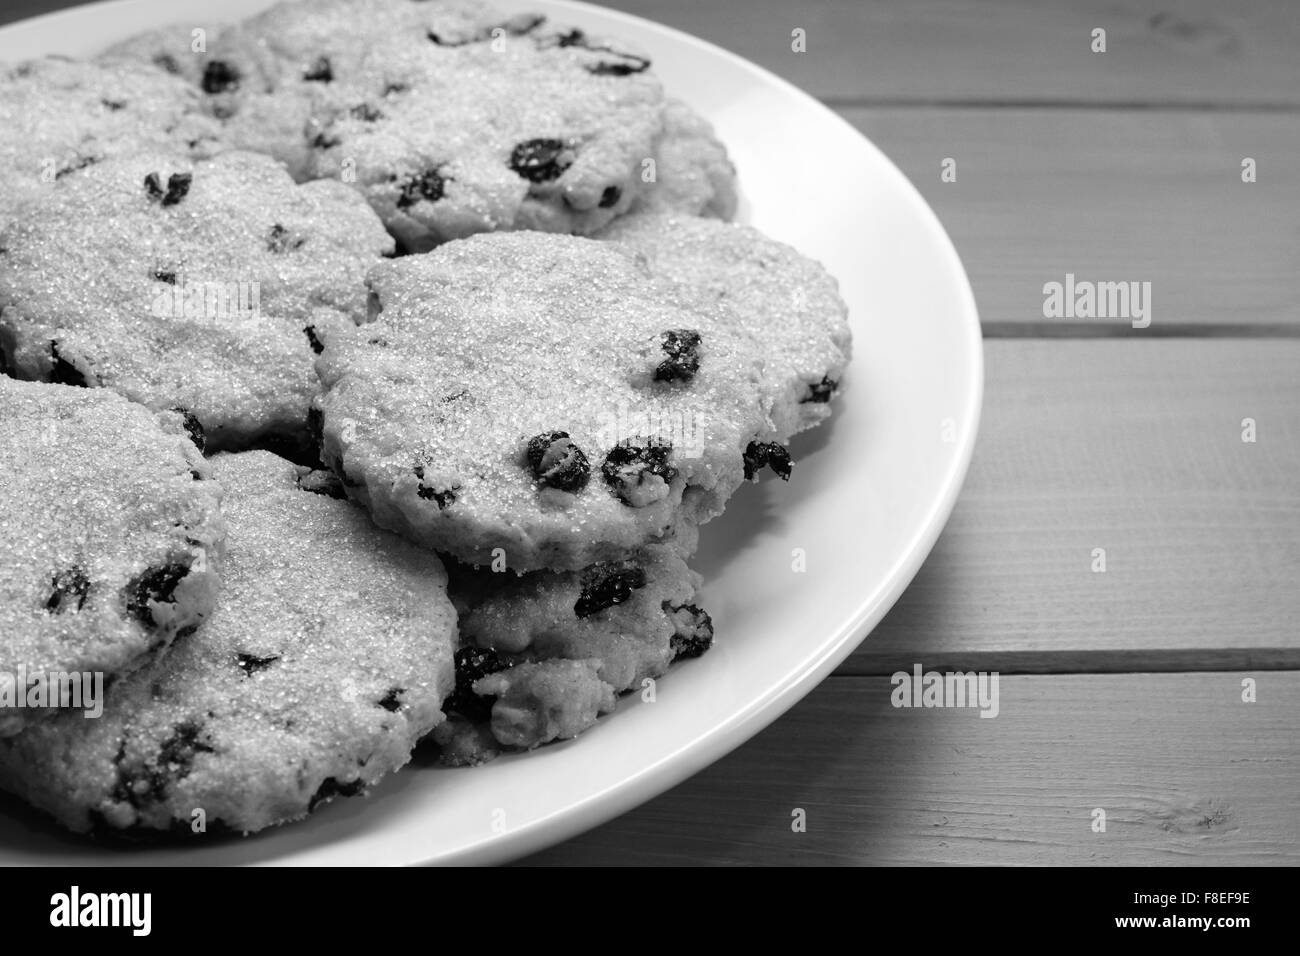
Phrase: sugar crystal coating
x=62 y=116
x=188 y=284
x=108 y=545
x=484 y=344
x=785 y=301
x=328 y=657
x=318 y=84
x=525 y=124
x=169 y=49
x=694 y=176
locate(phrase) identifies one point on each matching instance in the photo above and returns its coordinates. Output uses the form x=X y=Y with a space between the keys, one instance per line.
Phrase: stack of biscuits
x=370 y=368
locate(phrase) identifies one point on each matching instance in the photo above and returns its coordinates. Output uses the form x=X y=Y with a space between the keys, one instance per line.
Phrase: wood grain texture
x=1186 y=772
x=1007 y=51
x=13 y=10
x=1112 y=195
x=1134 y=447
x=1126 y=444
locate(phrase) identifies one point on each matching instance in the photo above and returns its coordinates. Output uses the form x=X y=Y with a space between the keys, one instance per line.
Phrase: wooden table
x=1121 y=690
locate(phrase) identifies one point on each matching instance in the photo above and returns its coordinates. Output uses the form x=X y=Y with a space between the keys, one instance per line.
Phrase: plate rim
x=719 y=739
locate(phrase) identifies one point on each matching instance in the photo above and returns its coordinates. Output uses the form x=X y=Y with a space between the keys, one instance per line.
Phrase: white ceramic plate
x=870 y=492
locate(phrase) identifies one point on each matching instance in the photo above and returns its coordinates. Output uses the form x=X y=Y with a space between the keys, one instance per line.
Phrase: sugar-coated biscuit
x=328 y=657
x=208 y=285
x=110 y=539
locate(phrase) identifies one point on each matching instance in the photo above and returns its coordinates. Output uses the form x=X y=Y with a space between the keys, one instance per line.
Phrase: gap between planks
x=1203 y=51
x=1007 y=103
x=1048 y=329
x=1186 y=772
x=1109 y=196
x=1244 y=660
x=1135 y=448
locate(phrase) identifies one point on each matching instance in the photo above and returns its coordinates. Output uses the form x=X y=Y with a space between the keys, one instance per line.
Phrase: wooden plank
x=15 y=10
x=1134 y=447
x=1200 y=52
x=1111 y=196
x=1186 y=772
